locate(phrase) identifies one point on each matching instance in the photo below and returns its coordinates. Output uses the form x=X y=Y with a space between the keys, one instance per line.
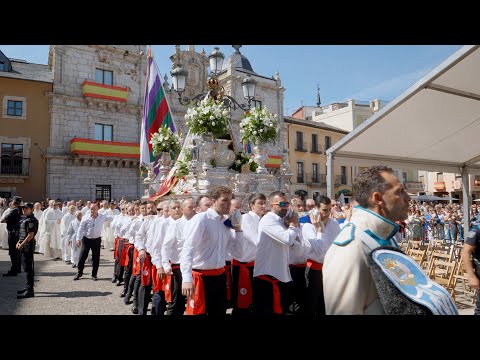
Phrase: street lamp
x=216 y=91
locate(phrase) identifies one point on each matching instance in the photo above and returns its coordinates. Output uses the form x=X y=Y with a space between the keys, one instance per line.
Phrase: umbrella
x=431 y=198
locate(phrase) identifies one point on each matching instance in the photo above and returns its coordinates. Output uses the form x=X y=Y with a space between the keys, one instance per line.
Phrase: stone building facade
x=236 y=67
x=96 y=110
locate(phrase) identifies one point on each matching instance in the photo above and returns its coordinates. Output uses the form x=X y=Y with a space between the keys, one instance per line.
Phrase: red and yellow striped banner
x=105 y=148
x=103 y=91
x=274 y=162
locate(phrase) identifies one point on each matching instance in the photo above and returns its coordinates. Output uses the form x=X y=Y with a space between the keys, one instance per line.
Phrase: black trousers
x=117 y=268
x=235 y=280
x=477 y=305
x=144 y=297
x=215 y=288
x=128 y=272
x=26 y=256
x=159 y=305
x=177 y=306
x=88 y=244
x=297 y=291
x=315 y=304
x=263 y=297
x=13 y=252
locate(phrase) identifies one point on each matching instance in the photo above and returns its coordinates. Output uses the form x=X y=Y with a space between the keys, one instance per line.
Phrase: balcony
x=340 y=180
x=316 y=149
x=316 y=179
x=104 y=148
x=300 y=178
x=15 y=166
x=102 y=91
x=301 y=146
x=439 y=185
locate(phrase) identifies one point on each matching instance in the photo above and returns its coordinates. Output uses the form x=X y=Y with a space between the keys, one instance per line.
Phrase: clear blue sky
x=343 y=71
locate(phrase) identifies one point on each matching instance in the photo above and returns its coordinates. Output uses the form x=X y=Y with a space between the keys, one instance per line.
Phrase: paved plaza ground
x=57 y=294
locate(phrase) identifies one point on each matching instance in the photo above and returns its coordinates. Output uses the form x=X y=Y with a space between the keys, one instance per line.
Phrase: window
x=6 y=194
x=299 y=144
x=328 y=142
x=314 y=144
x=104 y=77
x=299 y=172
x=440 y=177
x=103 y=132
x=103 y=192
x=343 y=170
x=3 y=66
x=256 y=103
x=404 y=176
x=14 y=108
x=314 y=173
x=12 y=159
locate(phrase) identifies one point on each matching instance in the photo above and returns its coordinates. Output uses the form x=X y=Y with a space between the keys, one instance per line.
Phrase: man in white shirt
x=242 y=267
x=271 y=272
x=202 y=260
x=317 y=238
x=89 y=236
x=170 y=259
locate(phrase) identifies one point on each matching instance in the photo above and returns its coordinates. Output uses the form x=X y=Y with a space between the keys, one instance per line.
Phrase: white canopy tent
x=434 y=125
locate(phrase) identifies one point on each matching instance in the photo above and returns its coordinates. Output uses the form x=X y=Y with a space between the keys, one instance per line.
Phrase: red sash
x=168 y=285
x=297 y=265
x=124 y=256
x=277 y=307
x=146 y=271
x=314 y=265
x=127 y=260
x=115 y=248
x=228 y=270
x=158 y=284
x=244 y=291
x=196 y=304
x=136 y=263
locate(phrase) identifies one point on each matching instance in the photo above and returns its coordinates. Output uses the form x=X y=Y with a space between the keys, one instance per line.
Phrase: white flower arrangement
x=209 y=117
x=165 y=141
x=258 y=126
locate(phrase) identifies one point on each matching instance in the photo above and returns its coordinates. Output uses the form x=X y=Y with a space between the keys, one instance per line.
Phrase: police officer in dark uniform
x=472 y=247
x=26 y=247
x=13 y=222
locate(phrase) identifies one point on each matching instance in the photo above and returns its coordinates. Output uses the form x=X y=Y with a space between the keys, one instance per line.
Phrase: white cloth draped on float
x=64 y=224
x=3 y=229
x=107 y=231
x=71 y=237
x=38 y=215
x=51 y=239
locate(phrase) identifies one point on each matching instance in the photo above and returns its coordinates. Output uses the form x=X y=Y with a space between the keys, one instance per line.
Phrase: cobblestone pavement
x=57 y=294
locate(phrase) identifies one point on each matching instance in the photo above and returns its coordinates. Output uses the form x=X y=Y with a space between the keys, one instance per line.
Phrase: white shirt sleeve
x=278 y=233
x=168 y=243
x=195 y=233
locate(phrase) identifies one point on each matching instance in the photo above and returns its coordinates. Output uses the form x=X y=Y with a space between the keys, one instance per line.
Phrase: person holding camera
x=470 y=247
x=12 y=218
x=26 y=247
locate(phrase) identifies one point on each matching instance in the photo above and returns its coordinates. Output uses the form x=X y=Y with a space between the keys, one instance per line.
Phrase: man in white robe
x=51 y=236
x=38 y=213
x=64 y=224
x=71 y=236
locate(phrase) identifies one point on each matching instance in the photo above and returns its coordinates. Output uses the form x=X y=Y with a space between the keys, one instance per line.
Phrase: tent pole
x=330 y=175
x=466 y=199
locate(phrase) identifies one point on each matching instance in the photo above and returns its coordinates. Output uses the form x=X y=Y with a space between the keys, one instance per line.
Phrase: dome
x=239 y=62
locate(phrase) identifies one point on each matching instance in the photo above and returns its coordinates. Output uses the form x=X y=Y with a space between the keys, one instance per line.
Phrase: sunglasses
x=159 y=209
x=282 y=203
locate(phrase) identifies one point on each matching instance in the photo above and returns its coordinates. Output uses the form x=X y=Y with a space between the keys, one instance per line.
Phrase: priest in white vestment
x=64 y=224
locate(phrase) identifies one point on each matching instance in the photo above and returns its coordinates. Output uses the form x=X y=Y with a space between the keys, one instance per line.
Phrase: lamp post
x=215 y=90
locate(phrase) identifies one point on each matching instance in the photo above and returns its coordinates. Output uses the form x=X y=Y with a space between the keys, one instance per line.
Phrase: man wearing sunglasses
x=271 y=272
